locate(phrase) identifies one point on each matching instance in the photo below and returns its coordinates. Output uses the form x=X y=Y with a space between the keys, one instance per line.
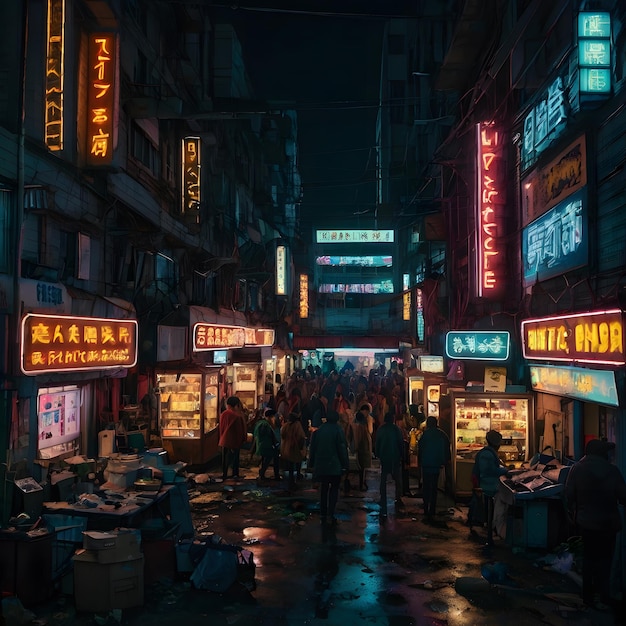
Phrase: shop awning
x=370 y=342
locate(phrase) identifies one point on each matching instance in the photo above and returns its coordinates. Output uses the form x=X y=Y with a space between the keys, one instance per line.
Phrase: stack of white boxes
x=108 y=571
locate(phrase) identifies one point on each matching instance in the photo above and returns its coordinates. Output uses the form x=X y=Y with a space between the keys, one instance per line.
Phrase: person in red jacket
x=233 y=431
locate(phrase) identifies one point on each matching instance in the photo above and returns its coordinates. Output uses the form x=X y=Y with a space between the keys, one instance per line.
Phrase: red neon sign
x=490 y=205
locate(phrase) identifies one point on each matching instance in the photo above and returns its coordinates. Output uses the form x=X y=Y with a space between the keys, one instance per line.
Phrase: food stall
x=189 y=413
x=474 y=415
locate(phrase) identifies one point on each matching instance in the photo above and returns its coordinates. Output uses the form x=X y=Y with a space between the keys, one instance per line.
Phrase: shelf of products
x=475 y=417
x=180 y=405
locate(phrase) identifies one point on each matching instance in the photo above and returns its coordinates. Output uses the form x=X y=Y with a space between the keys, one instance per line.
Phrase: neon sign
x=489 y=207
x=304 y=296
x=544 y=122
x=217 y=336
x=480 y=345
x=281 y=271
x=55 y=343
x=191 y=176
x=596 y=337
x=55 y=75
x=101 y=98
x=594 y=53
x=354 y=236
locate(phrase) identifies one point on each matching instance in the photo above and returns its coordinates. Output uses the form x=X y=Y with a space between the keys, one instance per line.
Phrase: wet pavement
x=400 y=571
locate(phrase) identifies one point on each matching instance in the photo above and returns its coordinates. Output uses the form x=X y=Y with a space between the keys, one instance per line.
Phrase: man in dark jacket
x=328 y=457
x=433 y=453
x=390 y=451
x=486 y=472
x=594 y=489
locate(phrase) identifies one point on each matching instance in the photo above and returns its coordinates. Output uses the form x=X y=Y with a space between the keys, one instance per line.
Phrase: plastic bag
x=217 y=570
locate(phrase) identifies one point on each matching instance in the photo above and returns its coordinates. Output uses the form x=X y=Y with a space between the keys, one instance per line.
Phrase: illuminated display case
x=474 y=415
x=189 y=412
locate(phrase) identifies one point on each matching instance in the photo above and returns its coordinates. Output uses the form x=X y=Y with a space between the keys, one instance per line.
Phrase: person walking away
x=433 y=454
x=360 y=442
x=593 y=490
x=389 y=448
x=233 y=430
x=266 y=444
x=292 y=446
x=328 y=460
x=487 y=469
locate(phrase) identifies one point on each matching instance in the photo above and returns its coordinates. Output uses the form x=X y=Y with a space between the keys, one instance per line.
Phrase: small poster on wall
x=495 y=379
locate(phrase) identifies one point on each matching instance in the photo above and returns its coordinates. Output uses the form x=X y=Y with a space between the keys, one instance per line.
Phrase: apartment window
x=142 y=149
x=68 y=251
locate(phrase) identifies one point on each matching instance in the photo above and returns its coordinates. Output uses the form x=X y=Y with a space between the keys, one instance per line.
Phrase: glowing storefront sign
x=575 y=382
x=480 y=345
x=281 y=271
x=259 y=337
x=55 y=62
x=594 y=53
x=490 y=208
x=406 y=298
x=304 y=296
x=55 y=343
x=217 y=337
x=191 y=176
x=101 y=74
x=557 y=241
x=596 y=337
x=354 y=236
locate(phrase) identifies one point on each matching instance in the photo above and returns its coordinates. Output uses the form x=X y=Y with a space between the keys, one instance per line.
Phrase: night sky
x=328 y=67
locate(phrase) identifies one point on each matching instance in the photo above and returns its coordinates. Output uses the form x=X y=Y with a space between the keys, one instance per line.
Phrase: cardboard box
x=101 y=587
x=122 y=544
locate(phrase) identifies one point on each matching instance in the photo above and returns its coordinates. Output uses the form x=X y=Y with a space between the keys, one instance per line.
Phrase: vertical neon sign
x=304 y=296
x=101 y=98
x=489 y=207
x=55 y=75
x=281 y=271
x=191 y=176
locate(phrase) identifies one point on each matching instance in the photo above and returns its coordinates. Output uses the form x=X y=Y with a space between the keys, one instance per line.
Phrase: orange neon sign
x=59 y=343
x=101 y=98
x=55 y=72
x=490 y=205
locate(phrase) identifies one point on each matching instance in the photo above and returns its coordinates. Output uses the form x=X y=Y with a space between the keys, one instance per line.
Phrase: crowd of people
x=338 y=423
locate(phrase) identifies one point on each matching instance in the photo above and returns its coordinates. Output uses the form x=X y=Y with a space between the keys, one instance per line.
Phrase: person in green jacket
x=328 y=458
x=266 y=444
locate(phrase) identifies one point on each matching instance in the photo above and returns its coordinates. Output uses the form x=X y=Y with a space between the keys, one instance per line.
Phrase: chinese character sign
x=354 y=236
x=55 y=343
x=478 y=345
x=101 y=73
x=594 y=53
x=304 y=296
x=217 y=337
x=557 y=241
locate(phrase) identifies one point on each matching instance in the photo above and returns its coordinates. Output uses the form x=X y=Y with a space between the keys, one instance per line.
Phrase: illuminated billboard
x=354 y=236
x=191 y=176
x=358 y=261
x=557 y=241
x=58 y=343
x=55 y=74
x=481 y=345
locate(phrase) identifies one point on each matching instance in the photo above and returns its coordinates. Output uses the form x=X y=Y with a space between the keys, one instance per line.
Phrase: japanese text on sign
x=101 y=99
x=191 y=175
x=54 y=343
